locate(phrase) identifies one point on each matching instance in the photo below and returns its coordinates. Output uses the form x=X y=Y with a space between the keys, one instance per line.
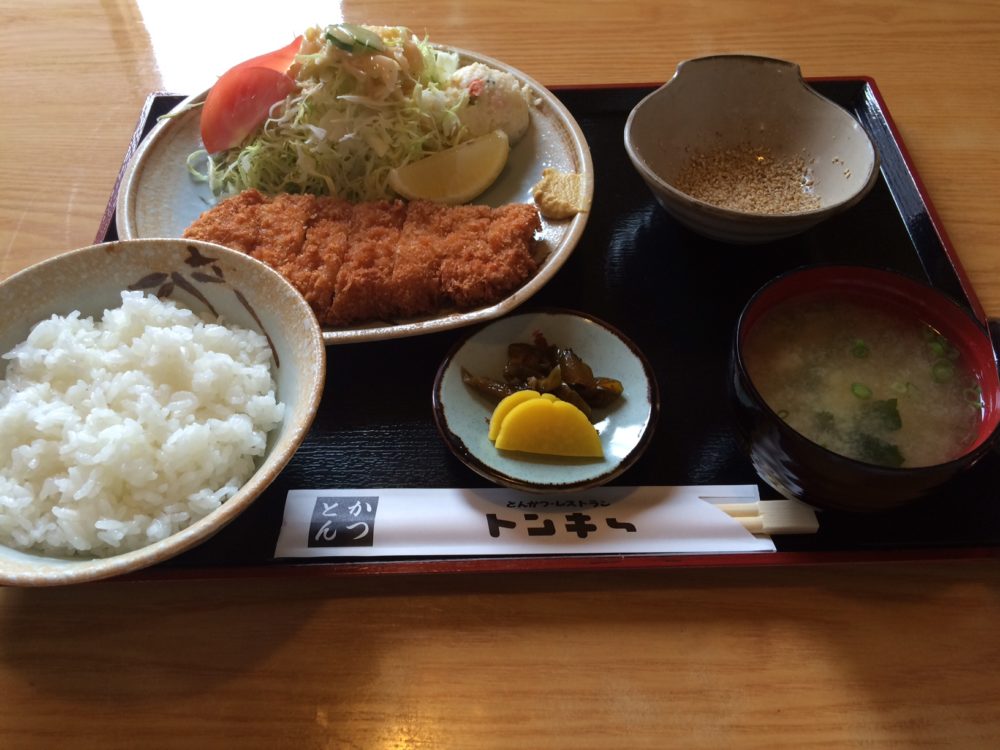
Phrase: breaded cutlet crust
x=380 y=260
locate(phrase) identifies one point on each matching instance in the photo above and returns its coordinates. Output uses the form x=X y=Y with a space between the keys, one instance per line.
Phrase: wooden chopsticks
x=773 y=516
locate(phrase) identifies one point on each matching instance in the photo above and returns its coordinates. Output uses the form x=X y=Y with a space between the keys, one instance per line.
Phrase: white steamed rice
x=117 y=433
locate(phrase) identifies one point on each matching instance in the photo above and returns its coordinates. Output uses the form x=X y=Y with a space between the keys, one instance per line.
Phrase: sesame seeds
x=749 y=179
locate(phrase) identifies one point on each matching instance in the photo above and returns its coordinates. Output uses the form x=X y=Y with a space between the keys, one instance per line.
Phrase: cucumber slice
x=354 y=39
x=364 y=37
x=340 y=38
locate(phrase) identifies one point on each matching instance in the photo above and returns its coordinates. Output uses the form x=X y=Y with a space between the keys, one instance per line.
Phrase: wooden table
x=901 y=655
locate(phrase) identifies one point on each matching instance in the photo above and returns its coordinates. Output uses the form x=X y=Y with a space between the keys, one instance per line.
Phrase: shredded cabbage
x=353 y=118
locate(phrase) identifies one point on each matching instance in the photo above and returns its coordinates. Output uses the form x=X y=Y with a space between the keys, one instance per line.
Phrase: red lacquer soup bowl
x=800 y=467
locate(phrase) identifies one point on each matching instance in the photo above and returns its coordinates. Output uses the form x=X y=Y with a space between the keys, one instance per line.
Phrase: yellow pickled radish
x=506 y=404
x=549 y=426
x=454 y=175
x=509 y=402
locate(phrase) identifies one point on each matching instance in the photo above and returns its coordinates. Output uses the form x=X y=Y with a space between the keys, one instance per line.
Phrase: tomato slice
x=239 y=101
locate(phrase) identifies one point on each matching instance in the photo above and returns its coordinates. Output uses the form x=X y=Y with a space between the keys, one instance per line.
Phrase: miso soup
x=865 y=382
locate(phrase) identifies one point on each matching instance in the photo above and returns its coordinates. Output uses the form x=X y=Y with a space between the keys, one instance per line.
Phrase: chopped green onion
x=937 y=347
x=942 y=371
x=859 y=348
x=783 y=413
x=974 y=397
x=861 y=390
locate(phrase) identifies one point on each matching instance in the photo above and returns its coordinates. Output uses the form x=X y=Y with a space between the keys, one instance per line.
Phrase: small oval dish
x=625 y=428
x=775 y=156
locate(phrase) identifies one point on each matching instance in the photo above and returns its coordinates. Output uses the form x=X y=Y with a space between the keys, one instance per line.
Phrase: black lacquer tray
x=677 y=295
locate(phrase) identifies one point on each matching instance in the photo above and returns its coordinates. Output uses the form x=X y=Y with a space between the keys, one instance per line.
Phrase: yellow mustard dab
x=559 y=195
x=541 y=423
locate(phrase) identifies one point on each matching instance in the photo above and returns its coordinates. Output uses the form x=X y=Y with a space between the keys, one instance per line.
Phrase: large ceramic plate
x=159 y=198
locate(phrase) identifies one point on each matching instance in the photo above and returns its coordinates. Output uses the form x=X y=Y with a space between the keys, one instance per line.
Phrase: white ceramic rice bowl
x=242 y=290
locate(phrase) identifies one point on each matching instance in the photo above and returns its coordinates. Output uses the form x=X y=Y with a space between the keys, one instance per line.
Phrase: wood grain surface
x=897 y=656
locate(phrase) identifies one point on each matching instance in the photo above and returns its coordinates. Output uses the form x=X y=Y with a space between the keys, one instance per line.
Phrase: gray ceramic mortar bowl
x=739 y=102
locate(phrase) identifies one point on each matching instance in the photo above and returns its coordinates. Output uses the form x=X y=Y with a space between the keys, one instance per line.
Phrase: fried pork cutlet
x=383 y=259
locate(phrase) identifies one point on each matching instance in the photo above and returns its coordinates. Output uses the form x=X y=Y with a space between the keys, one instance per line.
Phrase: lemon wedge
x=455 y=175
